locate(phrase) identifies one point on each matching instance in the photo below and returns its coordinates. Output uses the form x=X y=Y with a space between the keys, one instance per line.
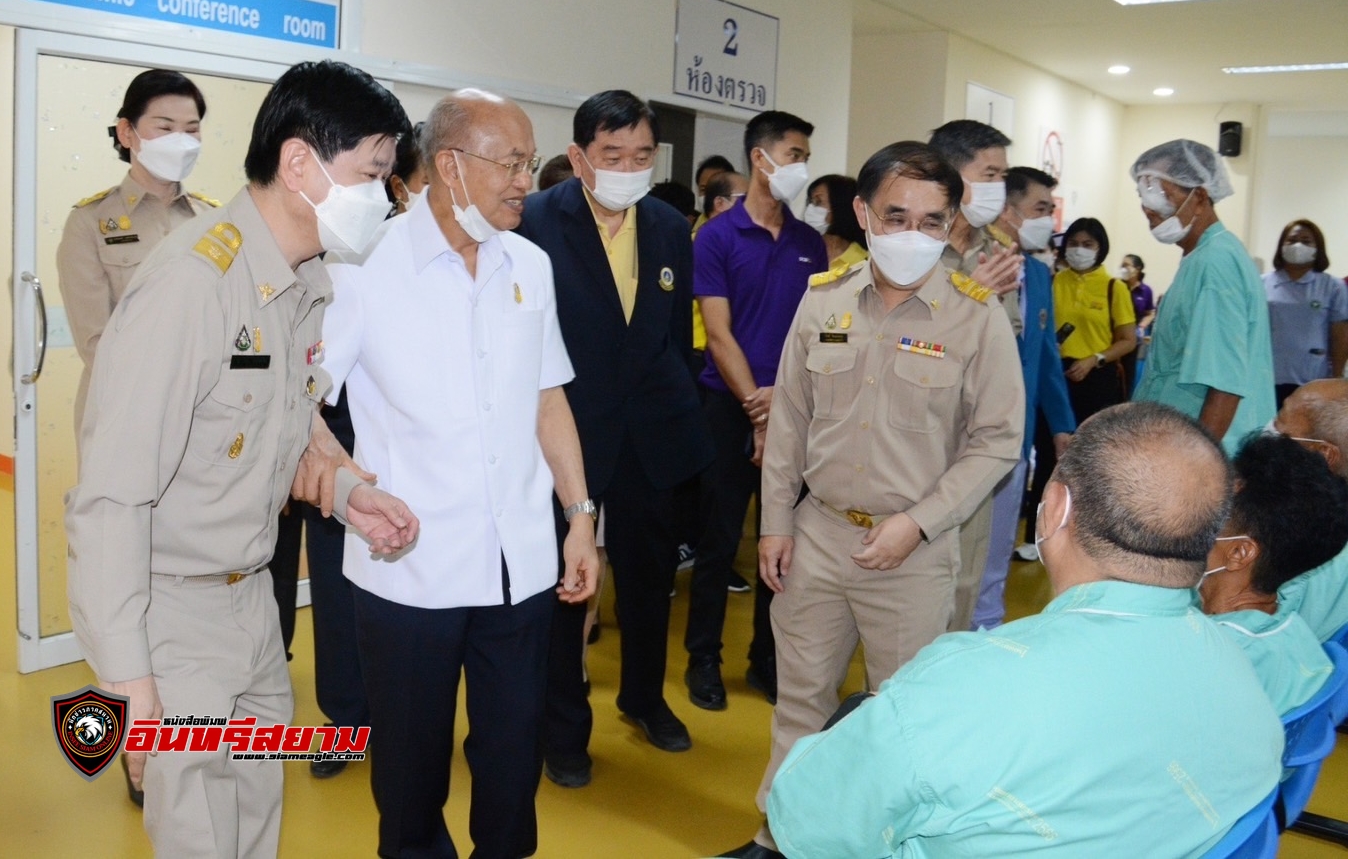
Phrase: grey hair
x=1150 y=492
x=447 y=127
x=1328 y=413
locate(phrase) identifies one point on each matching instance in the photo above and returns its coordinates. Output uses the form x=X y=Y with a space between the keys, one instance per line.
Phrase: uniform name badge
x=921 y=347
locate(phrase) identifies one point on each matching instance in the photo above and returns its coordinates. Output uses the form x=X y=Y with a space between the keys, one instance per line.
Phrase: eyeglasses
x=513 y=168
x=898 y=222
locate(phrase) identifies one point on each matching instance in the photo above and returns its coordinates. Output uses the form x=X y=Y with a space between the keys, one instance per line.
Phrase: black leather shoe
x=763 y=677
x=705 y=688
x=568 y=770
x=753 y=850
x=663 y=729
x=133 y=793
x=326 y=769
x=737 y=584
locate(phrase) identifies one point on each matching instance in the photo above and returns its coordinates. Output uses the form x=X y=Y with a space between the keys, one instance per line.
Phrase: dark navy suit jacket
x=632 y=379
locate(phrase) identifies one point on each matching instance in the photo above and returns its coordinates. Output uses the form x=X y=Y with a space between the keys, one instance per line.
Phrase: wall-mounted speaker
x=1228 y=141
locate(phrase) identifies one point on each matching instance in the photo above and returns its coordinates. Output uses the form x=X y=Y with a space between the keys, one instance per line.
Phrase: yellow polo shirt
x=621 y=250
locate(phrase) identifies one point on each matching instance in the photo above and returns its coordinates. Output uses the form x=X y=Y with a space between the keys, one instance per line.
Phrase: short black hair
x=769 y=127
x=676 y=194
x=1137 y=264
x=959 y=141
x=611 y=110
x=719 y=163
x=555 y=172
x=329 y=105
x=841 y=190
x=408 y=152
x=1019 y=180
x=1321 y=257
x=914 y=160
x=1290 y=503
x=720 y=185
x=1091 y=227
x=145 y=88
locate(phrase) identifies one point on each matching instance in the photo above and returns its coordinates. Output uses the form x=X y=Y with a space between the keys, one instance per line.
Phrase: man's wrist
x=587 y=506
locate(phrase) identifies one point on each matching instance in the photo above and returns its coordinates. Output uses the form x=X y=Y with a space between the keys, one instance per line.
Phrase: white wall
x=1145 y=127
x=607 y=44
x=1303 y=173
x=898 y=91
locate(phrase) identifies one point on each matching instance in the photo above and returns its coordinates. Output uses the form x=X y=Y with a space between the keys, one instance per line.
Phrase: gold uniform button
x=247 y=398
x=923 y=380
x=870 y=380
x=879 y=337
x=865 y=425
x=828 y=368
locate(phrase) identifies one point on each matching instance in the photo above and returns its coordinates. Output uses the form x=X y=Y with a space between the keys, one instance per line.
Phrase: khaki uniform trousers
x=830 y=604
x=216 y=650
x=975 y=537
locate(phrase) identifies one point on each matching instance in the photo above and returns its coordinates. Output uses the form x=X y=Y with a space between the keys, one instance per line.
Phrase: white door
x=67 y=92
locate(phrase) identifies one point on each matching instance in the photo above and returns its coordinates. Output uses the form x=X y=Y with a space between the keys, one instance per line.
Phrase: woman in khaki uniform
x=158 y=132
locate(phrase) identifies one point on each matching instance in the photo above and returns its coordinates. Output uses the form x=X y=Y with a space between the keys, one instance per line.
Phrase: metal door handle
x=32 y=280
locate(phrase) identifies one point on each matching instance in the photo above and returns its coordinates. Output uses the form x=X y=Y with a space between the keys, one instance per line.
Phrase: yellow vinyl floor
x=642 y=802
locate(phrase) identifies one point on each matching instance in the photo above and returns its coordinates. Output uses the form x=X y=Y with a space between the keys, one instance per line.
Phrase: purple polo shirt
x=764 y=280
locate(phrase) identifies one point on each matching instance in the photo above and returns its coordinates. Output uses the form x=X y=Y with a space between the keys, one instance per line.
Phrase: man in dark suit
x=623 y=268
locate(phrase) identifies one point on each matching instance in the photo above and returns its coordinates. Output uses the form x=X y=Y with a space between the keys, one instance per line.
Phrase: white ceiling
x=1180 y=45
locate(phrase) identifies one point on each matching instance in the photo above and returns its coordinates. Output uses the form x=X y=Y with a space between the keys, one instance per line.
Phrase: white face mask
x=1039 y=511
x=413 y=197
x=786 y=181
x=904 y=258
x=1298 y=254
x=986 y=201
x=617 y=190
x=1169 y=231
x=1034 y=233
x=1125 y=273
x=474 y=223
x=169 y=157
x=816 y=216
x=350 y=215
x=1080 y=259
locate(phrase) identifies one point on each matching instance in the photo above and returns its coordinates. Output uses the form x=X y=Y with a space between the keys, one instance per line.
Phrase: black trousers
x=285 y=567
x=338 y=682
x=1102 y=388
x=413 y=658
x=639 y=535
x=727 y=485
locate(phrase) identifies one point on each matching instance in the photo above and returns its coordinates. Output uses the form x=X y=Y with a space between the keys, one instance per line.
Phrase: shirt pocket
x=229 y=427
x=119 y=263
x=517 y=343
x=926 y=395
x=833 y=380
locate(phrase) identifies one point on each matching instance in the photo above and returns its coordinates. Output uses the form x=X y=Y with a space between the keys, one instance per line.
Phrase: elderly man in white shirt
x=446 y=335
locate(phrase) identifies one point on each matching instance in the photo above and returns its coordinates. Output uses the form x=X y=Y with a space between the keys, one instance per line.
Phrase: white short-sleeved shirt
x=443 y=374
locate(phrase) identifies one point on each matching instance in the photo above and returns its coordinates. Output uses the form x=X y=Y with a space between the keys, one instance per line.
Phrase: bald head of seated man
x=1271 y=536
x=1316 y=417
x=1084 y=730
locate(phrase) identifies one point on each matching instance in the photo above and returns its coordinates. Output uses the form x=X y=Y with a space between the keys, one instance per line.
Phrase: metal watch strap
x=586 y=506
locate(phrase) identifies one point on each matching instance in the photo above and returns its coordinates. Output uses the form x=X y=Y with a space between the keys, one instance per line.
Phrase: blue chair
x=1310 y=731
x=1255 y=835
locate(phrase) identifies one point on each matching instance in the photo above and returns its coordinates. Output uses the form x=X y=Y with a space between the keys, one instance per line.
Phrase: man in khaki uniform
x=202 y=400
x=899 y=403
x=979 y=249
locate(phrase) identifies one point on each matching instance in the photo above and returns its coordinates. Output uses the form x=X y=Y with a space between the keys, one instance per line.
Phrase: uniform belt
x=207 y=581
x=859 y=518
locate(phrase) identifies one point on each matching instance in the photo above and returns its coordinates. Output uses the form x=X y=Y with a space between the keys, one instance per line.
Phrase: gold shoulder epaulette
x=970 y=287
x=95 y=198
x=220 y=245
x=999 y=235
x=836 y=272
x=209 y=201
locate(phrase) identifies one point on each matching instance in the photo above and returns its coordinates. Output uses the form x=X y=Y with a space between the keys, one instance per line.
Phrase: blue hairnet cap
x=1187 y=163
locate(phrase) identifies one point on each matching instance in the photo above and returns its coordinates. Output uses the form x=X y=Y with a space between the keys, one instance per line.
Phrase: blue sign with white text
x=302 y=21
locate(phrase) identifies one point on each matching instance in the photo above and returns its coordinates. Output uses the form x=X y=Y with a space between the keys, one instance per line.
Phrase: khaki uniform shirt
x=203 y=394
x=105 y=238
x=983 y=243
x=868 y=415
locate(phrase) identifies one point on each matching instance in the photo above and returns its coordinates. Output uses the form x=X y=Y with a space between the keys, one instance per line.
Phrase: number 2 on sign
x=731 y=30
